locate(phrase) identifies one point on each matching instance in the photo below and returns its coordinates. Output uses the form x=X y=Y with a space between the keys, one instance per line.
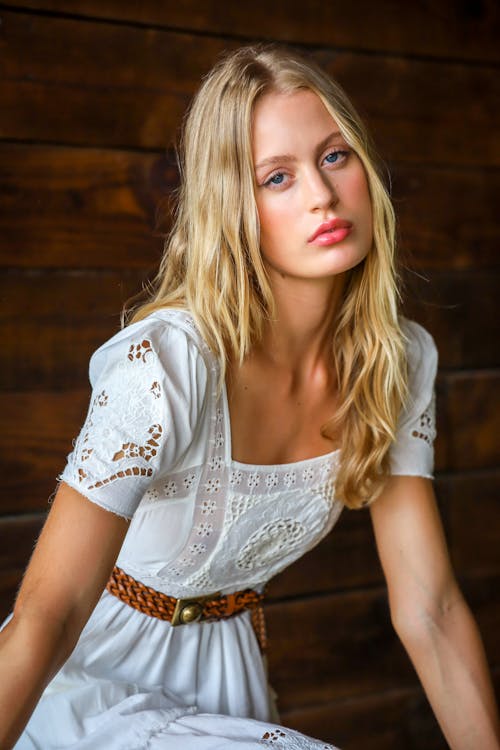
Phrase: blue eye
x=277 y=178
x=335 y=157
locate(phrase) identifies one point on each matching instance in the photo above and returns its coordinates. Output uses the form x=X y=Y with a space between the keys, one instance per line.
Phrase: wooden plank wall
x=92 y=93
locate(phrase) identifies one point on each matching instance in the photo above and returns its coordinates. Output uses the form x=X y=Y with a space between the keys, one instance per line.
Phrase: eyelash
x=336 y=152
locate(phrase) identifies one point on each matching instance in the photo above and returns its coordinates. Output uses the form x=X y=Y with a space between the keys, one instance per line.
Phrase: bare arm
x=431 y=616
x=67 y=573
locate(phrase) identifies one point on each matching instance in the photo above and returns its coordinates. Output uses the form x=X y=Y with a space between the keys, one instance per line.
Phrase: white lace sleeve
x=149 y=384
x=413 y=450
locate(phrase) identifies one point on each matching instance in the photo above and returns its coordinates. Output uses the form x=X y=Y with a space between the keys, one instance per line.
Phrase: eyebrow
x=283 y=158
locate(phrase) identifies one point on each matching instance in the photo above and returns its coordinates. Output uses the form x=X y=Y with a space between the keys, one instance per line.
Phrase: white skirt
x=135 y=682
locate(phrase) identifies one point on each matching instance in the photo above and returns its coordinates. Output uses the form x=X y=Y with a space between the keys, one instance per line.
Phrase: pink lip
x=331 y=232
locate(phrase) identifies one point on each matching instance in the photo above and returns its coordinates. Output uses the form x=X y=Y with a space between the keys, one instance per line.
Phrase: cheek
x=358 y=189
x=272 y=215
x=359 y=198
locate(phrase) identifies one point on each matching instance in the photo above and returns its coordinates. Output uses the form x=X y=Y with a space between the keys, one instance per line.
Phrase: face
x=312 y=194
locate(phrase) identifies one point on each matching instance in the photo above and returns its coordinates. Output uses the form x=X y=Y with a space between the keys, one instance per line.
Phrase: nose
x=321 y=193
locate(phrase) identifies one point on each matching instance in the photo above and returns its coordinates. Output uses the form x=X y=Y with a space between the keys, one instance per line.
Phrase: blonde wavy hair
x=212 y=263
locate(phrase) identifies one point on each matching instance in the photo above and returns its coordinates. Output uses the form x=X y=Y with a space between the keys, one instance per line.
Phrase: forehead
x=289 y=121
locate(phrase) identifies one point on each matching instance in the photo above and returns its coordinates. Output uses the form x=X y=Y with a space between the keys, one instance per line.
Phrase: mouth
x=331 y=232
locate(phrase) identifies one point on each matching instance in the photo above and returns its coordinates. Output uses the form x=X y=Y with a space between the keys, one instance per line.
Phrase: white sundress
x=156 y=448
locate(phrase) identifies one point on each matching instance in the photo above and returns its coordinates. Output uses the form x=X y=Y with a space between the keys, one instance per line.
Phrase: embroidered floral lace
x=155 y=447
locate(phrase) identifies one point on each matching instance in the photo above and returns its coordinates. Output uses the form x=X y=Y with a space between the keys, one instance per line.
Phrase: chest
x=273 y=423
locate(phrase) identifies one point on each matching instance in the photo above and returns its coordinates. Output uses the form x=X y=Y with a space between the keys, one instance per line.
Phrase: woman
x=269 y=382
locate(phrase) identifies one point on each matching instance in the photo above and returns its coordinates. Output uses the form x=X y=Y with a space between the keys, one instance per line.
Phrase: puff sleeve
x=149 y=385
x=413 y=450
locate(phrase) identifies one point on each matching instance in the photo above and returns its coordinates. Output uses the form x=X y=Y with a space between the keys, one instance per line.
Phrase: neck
x=299 y=338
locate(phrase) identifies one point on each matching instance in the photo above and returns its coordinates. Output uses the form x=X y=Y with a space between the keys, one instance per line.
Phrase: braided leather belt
x=193 y=609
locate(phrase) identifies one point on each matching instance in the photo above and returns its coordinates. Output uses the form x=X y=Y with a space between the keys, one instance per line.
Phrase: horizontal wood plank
x=93 y=208
x=474 y=522
x=52 y=322
x=18 y=535
x=382 y=721
x=347 y=557
x=472 y=418
x=98 y=84
x=440 y=227
x=460 y=310
x=43 y=313
x=343 y=645
x=17 y=538
x=125 y=86
x=342 y=648
x=81 y=208
x=462 y=30
x=37 y=434
x=332 y=647
x=99 y=90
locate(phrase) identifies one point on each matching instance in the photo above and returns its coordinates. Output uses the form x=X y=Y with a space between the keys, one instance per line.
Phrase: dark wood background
x=91 y=96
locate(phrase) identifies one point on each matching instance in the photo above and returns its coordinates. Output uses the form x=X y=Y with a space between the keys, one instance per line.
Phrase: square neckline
x=264 y=467
x=224 y=400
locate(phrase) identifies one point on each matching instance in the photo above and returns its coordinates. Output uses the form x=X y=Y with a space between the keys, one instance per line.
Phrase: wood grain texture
x=18 y=535
x=463 y=30
x=473 y=419
x=398 y=718
x=334 y=646
x=380 y=721
x=97 y=84
x=38 y=427
x=92 y=98
x=440 y=227
x=317 y=628
x=460 y=309
x=52 y=322
x=81 y=208
x=17 y=539
x=92 y=208
x=414 y=108
x=338 y=646
x=124 y=86
x=474 y=521
x=44 y=312
x=36 y=436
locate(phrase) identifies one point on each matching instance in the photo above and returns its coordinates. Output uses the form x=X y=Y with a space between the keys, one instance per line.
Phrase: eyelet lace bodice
x=156 y=447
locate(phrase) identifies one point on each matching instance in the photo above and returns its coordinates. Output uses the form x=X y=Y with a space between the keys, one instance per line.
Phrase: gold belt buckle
x=190 y=609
